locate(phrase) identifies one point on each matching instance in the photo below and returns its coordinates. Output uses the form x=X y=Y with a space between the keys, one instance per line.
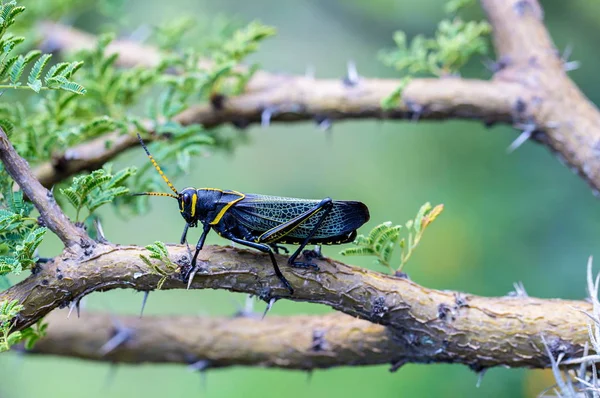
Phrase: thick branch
x=430 y=325
x=43 y=200
x=297 y=342
x=552 y=107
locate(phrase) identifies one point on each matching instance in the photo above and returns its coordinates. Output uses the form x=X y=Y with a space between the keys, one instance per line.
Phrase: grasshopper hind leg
x=263 y=247
x=326 y=205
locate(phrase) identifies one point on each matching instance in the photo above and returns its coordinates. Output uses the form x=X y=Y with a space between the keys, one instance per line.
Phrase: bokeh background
x=508 y=217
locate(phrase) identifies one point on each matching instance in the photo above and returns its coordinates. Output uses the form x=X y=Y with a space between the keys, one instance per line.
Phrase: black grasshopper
x=262 y=222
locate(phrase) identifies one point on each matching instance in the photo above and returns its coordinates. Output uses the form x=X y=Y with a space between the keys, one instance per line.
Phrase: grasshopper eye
x=186 y=199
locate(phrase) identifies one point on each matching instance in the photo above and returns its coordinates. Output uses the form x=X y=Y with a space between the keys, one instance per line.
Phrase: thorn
x=323 y=122
x=247 y=310
x=74 y=304
x=397 y=365
x=480 y=375
x=309 y=376
x=569 y=65
x=524 y=136
x=269 y=306
x=265 y=116
x=310 y=72
x=141 y=34
x=415 y=109
x=100 y=231
x=111 y=374
x=352 y=78
x=519 y=290
x=249 y=305
x=121 y=336
x=144 y=300
x=200 y=366
x=191 y=277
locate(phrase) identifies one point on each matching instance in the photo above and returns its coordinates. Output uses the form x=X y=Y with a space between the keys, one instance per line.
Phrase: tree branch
x=430 y=325
x=531 y=90
x=43 y=199
x=293 y=98
x=552 y=106
x=288 y=98
x=297 y=342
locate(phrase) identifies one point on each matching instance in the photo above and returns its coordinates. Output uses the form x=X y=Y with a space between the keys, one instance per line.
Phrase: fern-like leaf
x=36 y=71
x=72 y=197
x=17 y=70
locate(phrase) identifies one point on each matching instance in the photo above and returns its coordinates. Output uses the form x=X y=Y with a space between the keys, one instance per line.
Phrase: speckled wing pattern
x=261 y=213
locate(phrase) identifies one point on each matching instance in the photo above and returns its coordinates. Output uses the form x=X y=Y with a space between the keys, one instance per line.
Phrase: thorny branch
x=530 y=91
x=297 y=342
x=52 y=215
x=288 y=98
x=429 y=325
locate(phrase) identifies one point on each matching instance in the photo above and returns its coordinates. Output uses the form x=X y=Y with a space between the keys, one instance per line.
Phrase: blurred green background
x=518 y=217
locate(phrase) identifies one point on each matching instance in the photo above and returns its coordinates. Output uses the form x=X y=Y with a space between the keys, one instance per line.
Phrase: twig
x=43 y=199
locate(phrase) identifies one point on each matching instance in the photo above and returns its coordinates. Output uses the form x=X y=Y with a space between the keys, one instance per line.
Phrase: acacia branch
x=51 y=214
x=531 y=90
x=430 y=325
x=552 y=106
x=287 y=98
x=296 y=342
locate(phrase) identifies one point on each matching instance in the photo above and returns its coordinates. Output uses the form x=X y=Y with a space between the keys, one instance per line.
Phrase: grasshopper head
x=188 y=198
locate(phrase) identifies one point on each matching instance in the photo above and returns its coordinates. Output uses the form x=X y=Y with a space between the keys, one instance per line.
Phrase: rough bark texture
x=298 y=342
x=43 y=199
x=567 y=122
x=429 y=325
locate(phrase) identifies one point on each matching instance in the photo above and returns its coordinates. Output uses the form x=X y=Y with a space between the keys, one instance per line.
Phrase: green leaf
x=158 y=251
x=36 y=71
x=31 y=55
x=358 y=251
x=72 y=197
x=17 y=70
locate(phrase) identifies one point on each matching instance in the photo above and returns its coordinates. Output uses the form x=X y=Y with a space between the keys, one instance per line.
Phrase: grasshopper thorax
x=198 y=204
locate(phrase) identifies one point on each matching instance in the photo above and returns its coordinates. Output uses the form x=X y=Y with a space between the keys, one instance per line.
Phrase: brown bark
x=43 y=199
x=297 y=342
x=430 y=325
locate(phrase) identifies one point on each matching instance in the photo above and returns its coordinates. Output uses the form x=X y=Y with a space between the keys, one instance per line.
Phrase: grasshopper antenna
x=157 y=167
